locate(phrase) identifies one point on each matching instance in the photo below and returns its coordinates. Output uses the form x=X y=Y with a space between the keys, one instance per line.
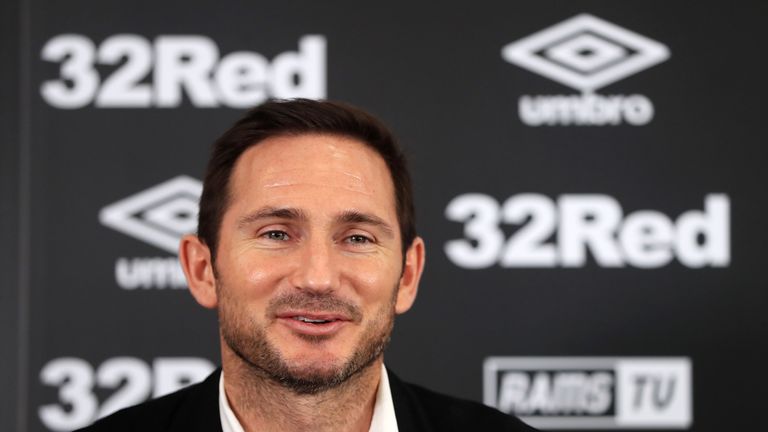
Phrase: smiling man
x=307 y=249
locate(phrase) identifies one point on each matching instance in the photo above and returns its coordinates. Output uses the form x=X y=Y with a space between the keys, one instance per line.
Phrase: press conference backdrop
x=589 y=180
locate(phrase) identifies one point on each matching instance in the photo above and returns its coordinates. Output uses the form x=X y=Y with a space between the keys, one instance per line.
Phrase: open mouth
x=313 y=320
x=317 y=324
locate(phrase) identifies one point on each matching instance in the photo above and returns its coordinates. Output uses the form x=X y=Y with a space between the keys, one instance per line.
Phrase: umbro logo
x=585 y=53
x=160 y=215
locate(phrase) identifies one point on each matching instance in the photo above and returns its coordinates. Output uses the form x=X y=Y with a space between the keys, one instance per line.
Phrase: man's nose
x=317 y=269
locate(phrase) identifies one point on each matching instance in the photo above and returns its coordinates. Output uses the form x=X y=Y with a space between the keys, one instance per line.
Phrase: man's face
x=309 y=260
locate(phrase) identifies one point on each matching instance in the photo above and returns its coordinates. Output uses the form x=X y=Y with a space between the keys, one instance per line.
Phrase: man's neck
x=262 y=404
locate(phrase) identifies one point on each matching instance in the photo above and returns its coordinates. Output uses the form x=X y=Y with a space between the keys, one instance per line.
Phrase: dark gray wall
x=10 y=146
x=437 y=76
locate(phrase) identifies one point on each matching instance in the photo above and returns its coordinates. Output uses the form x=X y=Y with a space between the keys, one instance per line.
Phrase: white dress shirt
x=383 y=419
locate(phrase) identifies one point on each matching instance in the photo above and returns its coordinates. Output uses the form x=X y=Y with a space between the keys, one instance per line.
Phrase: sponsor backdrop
x=589 y=181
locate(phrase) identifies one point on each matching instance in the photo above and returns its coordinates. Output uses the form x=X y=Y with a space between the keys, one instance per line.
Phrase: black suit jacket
x=196 y=409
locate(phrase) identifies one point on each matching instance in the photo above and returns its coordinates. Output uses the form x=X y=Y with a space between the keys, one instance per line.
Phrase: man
x=307 y=248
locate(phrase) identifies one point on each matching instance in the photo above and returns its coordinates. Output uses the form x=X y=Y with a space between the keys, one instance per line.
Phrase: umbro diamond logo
x=585 y=52
x=159 y=215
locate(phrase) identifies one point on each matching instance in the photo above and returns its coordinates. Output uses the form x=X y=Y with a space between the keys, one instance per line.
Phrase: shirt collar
x=383 y=419
x=229 y=422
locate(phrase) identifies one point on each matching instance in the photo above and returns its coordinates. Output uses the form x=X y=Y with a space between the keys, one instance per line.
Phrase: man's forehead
x=277 y=178
x=290 y=162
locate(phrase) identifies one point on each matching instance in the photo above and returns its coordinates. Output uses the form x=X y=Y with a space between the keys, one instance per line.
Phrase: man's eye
x=276 y=235
x=359 y=239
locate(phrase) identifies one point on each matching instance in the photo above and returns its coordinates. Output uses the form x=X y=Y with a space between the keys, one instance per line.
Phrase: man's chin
x=308 y=358
x=312 y=374
x=313 y=378
x=314 y=368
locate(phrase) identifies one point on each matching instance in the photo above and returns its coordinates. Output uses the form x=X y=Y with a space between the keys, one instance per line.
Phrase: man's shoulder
x=189 y=409
x=418 y=408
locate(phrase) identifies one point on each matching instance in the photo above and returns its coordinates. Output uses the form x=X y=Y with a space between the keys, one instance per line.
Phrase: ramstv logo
x=585 y=53
x=159 y=216
x=592 y=392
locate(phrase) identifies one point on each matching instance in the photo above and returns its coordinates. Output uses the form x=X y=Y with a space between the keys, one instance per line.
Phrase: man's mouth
x=313 y=316
x=317 y=324
x=312 y=320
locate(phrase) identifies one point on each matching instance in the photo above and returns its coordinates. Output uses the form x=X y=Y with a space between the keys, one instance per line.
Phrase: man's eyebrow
x=271 y=213
x=352 y=216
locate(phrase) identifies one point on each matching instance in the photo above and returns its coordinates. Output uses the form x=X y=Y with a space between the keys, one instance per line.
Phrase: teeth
x=309 y=320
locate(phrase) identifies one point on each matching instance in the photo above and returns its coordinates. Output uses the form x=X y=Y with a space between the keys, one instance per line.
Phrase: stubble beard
x=247 y=338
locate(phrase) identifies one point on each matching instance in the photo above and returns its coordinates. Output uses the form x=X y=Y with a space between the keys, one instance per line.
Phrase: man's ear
x=409 y=281
x=195 y=258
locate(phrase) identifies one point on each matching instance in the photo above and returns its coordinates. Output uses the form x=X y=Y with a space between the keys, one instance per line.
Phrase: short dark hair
x=300 y=117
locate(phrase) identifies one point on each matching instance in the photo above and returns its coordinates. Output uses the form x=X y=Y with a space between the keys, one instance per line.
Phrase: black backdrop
x=622 y=238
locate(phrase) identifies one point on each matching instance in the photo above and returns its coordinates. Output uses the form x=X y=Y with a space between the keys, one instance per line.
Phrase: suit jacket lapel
x=410 y=414
x=199 y=412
